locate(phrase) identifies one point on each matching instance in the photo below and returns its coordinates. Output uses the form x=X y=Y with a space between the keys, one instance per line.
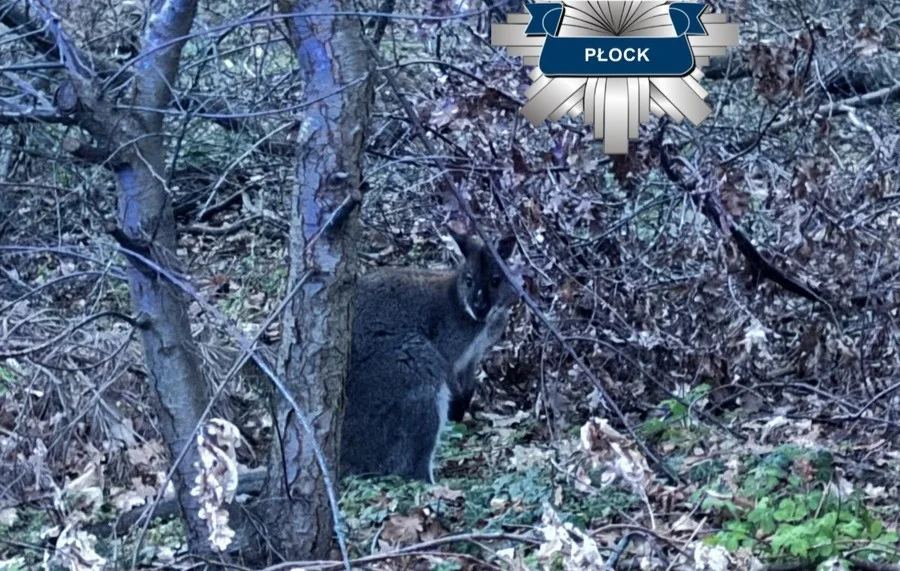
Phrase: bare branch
x=15 y=17
x=712 y=208
x=49 y=38
x=32 y=66
x=166 y=35
x=12 y=114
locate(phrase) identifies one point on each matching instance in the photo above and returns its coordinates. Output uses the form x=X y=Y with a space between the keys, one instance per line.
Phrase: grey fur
x=417 y=337
x=384 y=434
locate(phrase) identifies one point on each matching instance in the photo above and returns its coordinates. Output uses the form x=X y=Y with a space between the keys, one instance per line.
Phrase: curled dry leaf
x=525 y=457
x=125 y=500
x=75 y=551
x=711 y=558
x=151 y=453
x=613 y=454
x=421 y=524
x=83 y=496
x=498 y=505
x=755 y=339
x=400 y=529
x=578 y=550
x=446 y=494
x=8 y=517
x=217 y=479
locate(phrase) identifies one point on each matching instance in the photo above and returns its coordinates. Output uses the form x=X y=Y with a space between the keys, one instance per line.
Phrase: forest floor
x=759 y=428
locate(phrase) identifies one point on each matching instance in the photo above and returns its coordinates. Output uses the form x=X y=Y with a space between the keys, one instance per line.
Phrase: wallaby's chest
x=482 y=340
x=472 y=352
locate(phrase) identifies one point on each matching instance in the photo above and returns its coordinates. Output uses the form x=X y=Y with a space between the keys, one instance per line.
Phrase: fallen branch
x=250 y=482
x=711 y=206
x=11 y=114
x=775 y=126
x=408 y=551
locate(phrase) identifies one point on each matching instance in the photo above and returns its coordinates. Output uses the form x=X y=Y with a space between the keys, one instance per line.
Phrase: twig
x=827 y=109
x=285 y=16
x=406 y=551
x=68 y=55
x=381 y=23
x=69 y=330
x=620 y=548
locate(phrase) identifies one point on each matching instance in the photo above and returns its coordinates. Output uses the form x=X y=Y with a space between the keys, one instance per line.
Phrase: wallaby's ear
x=461 y=239
x=506 y=246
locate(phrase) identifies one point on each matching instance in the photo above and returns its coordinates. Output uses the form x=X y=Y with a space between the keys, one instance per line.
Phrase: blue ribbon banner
x=611 y=56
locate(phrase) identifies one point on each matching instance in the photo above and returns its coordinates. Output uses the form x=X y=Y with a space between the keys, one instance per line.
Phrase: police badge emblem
x=616 y=62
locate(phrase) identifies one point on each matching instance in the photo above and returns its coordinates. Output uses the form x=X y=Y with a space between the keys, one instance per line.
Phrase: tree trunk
x=145 y=213
x=334 y=62
x=132 y=143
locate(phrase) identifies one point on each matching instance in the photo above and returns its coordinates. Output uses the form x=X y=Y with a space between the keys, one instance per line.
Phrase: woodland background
x=731 y=287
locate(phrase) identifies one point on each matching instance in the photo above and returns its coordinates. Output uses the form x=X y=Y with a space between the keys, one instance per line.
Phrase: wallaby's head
x=481 y=284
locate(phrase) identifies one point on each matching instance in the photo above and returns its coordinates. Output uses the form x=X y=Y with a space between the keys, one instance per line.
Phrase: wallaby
x=417 y=336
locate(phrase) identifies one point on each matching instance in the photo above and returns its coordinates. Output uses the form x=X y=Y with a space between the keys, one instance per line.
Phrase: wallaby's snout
x=480 y=304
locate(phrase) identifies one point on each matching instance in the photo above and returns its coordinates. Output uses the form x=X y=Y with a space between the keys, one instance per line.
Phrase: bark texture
x=131 y=142
x=334 y=63
x=145 y=213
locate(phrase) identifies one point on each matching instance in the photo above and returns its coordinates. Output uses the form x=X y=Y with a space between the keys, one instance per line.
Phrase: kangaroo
x=417 y=337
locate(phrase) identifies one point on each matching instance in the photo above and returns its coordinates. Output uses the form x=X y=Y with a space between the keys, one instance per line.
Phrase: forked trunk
x=316 y=341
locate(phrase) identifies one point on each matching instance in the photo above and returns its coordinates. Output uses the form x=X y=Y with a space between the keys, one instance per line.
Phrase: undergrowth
x=782 y=503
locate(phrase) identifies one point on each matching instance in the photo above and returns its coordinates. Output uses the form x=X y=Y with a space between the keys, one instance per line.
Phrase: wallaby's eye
x=468 y=281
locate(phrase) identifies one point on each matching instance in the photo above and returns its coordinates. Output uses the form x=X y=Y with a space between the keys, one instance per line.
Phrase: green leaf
x=785 y=511
x=852 y=529
x=822 y=541
x=826 y=551
x=828 y=521
x=800 y=511
x=875 y=528
x=813 y=500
